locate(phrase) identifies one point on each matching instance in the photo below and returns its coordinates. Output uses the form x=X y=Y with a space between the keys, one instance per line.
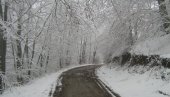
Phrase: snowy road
x=81 y=82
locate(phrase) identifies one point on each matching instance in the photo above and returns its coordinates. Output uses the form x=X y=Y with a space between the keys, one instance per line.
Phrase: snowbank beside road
x=38 y=88
x=134 y=84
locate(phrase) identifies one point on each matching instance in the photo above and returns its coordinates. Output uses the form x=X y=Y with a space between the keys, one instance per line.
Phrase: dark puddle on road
x=80 y=82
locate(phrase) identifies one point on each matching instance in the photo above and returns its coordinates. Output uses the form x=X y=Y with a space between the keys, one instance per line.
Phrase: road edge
x=104 y=86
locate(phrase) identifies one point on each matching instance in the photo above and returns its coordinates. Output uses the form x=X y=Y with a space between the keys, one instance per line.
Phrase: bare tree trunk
x=47 y=60
x=3 y=45
x=60 y=61
x=83 y=52
x=80 y=54
x=41 y=61
x=94 y=57
x=31 y=60
x=14 y=57
x=19 y=53
x=26 y=52
x=32 y=54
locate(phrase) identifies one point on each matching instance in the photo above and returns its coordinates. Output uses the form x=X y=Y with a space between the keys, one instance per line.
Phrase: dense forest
x=42 y=36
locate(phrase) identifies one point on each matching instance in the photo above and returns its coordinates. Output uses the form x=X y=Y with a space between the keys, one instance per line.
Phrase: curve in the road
x=82 y=82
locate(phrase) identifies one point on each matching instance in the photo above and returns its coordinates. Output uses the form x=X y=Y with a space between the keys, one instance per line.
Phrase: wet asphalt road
x=81 y=82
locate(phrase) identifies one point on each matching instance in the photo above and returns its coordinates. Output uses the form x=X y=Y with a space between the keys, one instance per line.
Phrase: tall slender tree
x=3 y=43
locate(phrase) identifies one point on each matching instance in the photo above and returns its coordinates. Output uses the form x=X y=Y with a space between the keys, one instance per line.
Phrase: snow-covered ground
x=129 y=84
x=39 y=87
x=122 y=81
x=141 y=81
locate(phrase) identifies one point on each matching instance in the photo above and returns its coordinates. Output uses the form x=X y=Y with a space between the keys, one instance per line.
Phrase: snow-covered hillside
x=154 y=46
x=141 y=81
x=129 y=84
